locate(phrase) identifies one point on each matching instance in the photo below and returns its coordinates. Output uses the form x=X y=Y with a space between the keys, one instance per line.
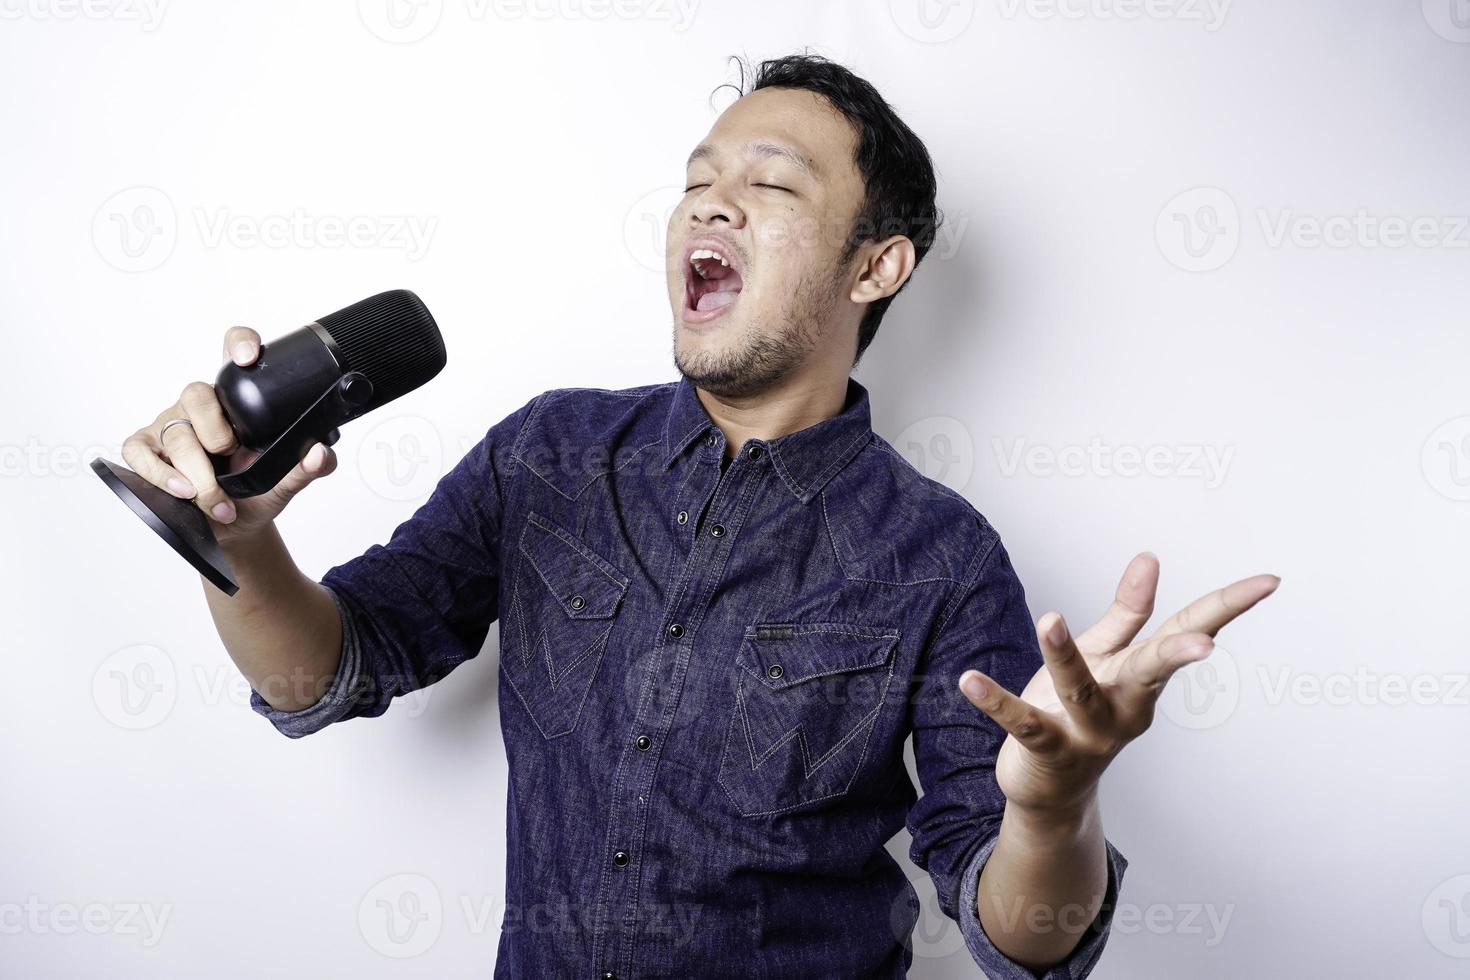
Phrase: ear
x=887 y=266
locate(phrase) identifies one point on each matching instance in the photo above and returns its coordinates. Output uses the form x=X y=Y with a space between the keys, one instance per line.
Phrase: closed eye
x=775 y=187
x=694 y=187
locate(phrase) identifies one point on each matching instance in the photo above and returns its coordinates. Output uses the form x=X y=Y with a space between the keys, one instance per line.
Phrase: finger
x=318 y=462
x=1209 y=614
x=1133 y=604
x=1149 y=667
x=1030 y=726
x=242 y=345
x=184 y=451
x=211 y=428
x=1077 y=689
x=141 y=453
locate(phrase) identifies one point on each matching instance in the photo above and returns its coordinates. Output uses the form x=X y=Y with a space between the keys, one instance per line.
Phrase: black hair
x=898 y=175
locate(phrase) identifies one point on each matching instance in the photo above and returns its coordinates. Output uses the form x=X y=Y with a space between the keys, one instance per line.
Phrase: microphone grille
x=392 y=338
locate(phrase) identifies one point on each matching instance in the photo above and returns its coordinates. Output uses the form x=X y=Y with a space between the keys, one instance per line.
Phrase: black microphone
x=298 y=391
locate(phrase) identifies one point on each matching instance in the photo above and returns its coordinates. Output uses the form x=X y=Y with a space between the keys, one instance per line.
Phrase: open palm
x=1095 y=694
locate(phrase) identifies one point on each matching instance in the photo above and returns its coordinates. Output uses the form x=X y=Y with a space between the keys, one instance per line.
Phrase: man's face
x=773 y=191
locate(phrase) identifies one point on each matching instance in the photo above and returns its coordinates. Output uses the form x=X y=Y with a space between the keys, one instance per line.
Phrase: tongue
x=713 y=301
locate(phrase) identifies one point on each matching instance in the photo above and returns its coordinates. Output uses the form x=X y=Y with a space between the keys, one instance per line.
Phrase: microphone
x=298 y=391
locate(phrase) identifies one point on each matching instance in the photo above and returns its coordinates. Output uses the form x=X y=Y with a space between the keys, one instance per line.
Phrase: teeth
x=705 y=253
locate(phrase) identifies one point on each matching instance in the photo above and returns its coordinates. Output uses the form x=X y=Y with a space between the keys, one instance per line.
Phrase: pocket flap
x=784 y=654
x=585 y=586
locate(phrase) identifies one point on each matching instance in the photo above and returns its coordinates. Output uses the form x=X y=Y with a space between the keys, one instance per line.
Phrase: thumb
x=319 y=461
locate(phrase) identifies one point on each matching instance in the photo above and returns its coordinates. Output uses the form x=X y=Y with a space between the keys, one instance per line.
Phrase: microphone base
x=177 y=521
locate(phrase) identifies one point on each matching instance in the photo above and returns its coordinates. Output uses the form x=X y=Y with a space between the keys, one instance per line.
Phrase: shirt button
x=718 y=530
x=675 y=630
x=683 y=517
x=754 y=452
x=643 y=742
x=578 y=602
x=609 y=975
x=620 y=858
x=774 y=671
x=710 y=439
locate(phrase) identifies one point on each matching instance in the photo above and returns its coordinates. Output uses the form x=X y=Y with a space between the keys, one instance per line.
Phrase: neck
x=789 y=406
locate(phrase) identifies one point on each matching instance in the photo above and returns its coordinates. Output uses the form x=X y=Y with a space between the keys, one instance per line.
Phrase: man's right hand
x=178 y=463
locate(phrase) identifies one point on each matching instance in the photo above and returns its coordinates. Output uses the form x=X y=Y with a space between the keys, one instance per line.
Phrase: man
x=725 y=604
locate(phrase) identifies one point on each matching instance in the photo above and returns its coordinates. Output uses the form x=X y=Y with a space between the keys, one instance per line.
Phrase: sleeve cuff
x=996 y=964
x=339 y=698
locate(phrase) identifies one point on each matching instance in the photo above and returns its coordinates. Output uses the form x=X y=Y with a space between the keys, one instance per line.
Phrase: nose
x=716 y=204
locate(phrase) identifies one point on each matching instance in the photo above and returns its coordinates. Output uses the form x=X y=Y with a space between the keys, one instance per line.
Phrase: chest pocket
x=804 y=700
x=562 y=608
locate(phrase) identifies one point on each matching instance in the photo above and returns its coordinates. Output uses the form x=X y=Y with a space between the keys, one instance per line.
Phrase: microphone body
x=301 y=387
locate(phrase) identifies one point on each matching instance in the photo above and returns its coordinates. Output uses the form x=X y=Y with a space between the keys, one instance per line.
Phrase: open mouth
x=712 y=284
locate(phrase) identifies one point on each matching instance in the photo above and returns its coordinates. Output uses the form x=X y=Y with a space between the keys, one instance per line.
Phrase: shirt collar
x=805 y=459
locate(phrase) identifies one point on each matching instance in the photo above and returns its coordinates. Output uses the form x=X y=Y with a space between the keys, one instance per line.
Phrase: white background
x=1299 y=807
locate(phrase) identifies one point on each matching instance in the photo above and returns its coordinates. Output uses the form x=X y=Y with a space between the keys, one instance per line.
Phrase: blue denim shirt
x=708 y=671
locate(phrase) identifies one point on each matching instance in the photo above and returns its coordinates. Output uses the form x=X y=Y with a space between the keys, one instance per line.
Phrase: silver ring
x=172 y=422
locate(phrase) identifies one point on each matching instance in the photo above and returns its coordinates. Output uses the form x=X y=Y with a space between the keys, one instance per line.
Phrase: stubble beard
x=762 y=357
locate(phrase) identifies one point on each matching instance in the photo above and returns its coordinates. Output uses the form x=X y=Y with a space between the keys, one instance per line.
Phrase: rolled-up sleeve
x=417 y=607
x=955 y=823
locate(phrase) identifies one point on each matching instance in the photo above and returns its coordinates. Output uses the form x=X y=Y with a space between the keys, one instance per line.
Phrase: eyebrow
x=763 y=149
